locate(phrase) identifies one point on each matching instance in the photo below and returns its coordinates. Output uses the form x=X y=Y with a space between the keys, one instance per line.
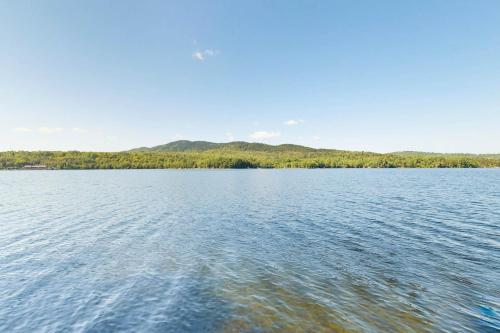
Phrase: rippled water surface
x=250 y=251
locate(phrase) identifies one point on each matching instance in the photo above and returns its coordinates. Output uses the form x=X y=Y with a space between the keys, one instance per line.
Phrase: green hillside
x=421 y=153
x=182 y=145
x=185 y=145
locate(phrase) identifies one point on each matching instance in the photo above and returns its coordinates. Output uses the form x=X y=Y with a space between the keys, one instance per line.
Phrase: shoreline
x=297 y=168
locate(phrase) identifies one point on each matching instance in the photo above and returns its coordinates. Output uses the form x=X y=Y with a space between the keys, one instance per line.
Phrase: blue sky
x=359 y=75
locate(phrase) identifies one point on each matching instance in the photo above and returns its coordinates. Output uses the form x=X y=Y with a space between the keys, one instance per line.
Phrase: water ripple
x=250 y=251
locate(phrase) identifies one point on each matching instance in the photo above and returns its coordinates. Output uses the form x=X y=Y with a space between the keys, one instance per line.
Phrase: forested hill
x=428 y=154
x=185 y=145
x=202 y=154
x=201 y=146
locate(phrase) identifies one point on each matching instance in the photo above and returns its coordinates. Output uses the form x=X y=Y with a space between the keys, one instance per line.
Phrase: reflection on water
x=250 y=251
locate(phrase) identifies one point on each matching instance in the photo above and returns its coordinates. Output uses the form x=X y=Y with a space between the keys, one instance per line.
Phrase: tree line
x=238 y=160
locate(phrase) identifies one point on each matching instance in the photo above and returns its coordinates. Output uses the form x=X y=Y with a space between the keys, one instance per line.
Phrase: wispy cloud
x=316 y=138
x=178 y=136
x=201 y=55
x=50 y=130
x=293 y=122
x=79 y=130
x=229 y=136
x=264 y=135
x=22 y=130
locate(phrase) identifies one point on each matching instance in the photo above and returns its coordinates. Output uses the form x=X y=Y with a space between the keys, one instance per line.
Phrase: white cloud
x=204 y=54
x=177 y=137
x=50 y=130
x=293 y=122
x=229 y=136
x=79 y=130
x=198 y=56
x=316 y=138
x=210 y=53
x=22 y=130
x=263 y=135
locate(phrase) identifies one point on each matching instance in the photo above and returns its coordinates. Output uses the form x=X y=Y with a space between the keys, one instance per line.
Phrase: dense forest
x=239 y=155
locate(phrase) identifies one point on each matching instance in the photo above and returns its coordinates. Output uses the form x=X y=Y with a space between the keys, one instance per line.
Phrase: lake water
x=405 y=250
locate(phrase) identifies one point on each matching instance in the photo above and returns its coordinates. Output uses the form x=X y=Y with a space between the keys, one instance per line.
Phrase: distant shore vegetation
x=237 y=155
x=236 y=160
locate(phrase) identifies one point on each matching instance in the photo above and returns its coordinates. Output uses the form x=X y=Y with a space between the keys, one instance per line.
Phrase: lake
x=344 y=250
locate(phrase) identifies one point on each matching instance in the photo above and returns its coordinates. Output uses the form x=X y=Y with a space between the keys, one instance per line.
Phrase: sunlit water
x=250 y=251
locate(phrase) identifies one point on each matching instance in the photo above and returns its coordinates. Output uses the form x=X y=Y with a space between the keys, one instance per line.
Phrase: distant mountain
x=197 y=146
x=182 y=145
x=186 y=145
x=429 y=154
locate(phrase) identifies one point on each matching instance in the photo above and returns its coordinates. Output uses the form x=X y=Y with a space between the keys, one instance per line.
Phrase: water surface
x=250 y=250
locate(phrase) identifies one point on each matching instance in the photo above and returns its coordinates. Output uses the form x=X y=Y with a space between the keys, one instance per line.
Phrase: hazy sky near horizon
x=359 y=75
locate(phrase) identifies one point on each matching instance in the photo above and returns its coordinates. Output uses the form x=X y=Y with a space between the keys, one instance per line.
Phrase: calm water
x=250 y=251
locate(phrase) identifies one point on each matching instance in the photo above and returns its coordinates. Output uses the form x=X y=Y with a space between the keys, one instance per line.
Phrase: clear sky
x=359 y=75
